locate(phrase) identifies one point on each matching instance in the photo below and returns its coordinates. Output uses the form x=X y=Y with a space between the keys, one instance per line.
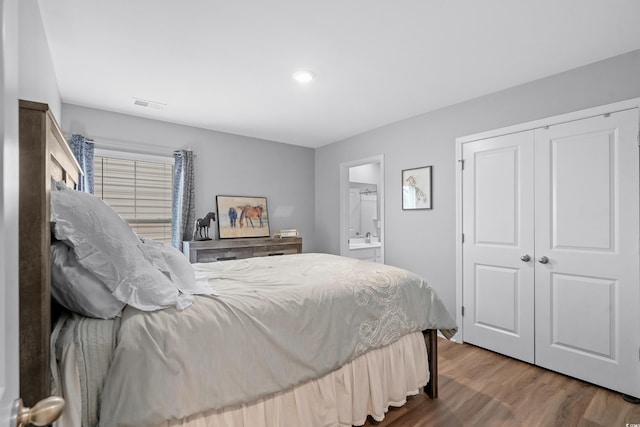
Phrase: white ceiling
x=227 y=65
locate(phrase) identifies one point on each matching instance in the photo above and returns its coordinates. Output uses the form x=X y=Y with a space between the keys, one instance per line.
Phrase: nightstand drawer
x=211 y=255
x=278 y=250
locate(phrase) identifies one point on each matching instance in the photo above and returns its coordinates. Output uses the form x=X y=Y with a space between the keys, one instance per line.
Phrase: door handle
x=43 y=413
x=543 y=260
x=525 y=258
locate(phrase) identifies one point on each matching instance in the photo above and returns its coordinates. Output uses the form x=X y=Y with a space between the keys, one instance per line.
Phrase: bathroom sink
x=364 y=242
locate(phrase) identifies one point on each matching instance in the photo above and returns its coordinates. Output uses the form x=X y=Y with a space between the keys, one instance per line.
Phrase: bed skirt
x=369 y=385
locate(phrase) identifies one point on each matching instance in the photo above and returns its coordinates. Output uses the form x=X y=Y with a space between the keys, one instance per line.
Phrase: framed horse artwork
x=240 y=216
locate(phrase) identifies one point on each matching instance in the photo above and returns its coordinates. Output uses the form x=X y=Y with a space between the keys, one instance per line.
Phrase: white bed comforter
x=277 y=322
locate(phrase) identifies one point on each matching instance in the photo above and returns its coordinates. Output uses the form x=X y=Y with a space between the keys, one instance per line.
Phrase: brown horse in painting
x=249 y=212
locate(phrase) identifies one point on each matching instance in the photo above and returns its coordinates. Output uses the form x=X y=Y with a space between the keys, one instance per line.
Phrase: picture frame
x=416 y=188
x=242 y=217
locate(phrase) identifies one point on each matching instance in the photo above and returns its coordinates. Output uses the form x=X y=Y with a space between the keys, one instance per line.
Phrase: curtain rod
x=129 y=146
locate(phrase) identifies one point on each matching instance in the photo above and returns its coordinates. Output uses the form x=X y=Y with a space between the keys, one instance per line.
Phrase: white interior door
x=9 y=381
x=587 y=217
x=498 y=286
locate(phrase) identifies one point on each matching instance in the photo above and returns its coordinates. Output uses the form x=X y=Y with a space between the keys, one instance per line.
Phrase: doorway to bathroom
x=362 y=209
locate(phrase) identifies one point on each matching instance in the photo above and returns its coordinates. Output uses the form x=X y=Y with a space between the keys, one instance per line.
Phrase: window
x=139 y=190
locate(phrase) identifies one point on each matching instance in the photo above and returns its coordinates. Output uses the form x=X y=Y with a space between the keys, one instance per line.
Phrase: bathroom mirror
x=363 y=210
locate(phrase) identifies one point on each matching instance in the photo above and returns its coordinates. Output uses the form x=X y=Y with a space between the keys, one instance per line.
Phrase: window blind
x=139 y=191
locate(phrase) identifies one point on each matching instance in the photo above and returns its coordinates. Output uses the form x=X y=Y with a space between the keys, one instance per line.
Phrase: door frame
x=344 y=201
x=9 y=201
x=548 y=121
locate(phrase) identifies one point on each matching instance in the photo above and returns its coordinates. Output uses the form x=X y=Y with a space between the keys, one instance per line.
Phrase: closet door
x=498 y=258
x=587 y=271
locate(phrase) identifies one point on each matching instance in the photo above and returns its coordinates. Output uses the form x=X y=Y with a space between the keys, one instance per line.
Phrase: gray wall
x=37 y=78
x=225 y=164
x=424 y=241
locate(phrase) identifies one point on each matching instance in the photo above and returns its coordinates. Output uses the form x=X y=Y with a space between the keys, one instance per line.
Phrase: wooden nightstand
x=227 y=249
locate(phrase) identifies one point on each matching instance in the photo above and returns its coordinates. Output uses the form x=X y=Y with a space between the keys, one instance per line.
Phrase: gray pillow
x=105 y=245
x=77 y=289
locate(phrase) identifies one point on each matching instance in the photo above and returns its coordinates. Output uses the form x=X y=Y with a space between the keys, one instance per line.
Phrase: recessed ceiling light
x=304 y=76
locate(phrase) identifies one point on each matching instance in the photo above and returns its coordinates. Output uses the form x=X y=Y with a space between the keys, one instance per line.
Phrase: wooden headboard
x=44 y=154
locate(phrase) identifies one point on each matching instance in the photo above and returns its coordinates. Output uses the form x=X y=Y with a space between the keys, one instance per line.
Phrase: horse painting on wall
x=240 y=216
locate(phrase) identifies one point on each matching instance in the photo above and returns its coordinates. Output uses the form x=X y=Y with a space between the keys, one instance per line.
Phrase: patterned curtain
x=83 y=151
x=184 y=209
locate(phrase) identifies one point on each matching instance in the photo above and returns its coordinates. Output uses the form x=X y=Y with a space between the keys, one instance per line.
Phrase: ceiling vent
x=148 y=104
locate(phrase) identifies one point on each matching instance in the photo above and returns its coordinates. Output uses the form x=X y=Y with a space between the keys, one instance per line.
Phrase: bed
x=306 y=339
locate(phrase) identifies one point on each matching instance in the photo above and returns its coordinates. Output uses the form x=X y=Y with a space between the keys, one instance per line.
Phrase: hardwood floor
x=482 y=388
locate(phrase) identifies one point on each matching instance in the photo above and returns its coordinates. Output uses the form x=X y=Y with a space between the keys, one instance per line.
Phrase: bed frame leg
x=431 y=340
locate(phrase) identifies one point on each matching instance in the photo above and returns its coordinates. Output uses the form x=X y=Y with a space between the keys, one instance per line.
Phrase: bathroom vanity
x=368 y=248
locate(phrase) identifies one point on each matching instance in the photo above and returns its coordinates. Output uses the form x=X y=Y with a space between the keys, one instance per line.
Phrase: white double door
x=551 y=251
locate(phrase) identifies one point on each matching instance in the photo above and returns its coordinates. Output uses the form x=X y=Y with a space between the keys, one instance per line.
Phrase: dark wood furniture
x=431 y=341
x=228 y=249
x=44 y=154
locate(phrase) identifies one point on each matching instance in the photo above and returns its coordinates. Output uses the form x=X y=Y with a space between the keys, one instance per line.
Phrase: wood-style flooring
x=481 y=388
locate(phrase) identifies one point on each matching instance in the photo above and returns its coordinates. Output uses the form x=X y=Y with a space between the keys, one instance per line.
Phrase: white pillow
x=58 y=185
x=105 y=245
x=178 y=267
x=77 y=289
